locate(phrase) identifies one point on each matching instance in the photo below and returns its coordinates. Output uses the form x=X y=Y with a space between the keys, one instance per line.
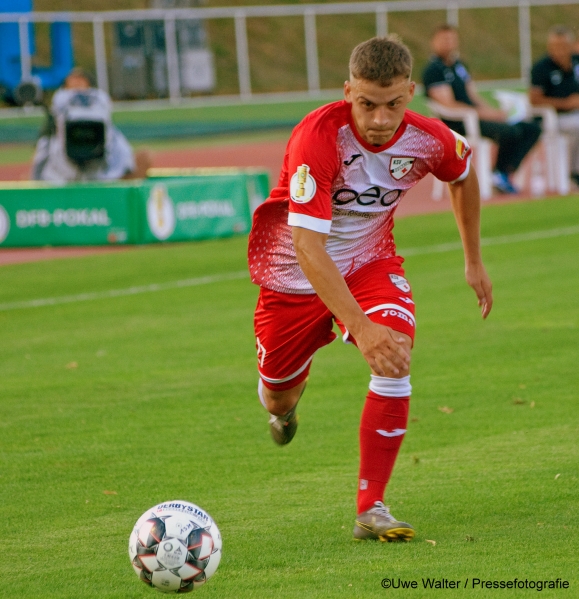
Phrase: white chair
x=519 y=108
x=482 y=148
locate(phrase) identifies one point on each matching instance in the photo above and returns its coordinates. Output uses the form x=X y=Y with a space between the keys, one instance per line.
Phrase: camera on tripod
x=80 y=142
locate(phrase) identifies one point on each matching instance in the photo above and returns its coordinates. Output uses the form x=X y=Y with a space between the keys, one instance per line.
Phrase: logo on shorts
x=462 y=146
x=4 y=224
x=400 y=166
x=394 y=312
x=261 y=352
x=302 y=185
x=400 y=282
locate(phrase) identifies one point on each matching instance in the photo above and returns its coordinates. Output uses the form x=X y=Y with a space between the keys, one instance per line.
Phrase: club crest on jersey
x=462 y=146
x=400 y=166
x=400 y=282
x=302 y=185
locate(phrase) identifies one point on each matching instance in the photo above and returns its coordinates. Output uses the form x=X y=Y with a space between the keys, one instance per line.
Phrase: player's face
x=560 y=49
x=378 y=111
x=76 y=82
x=445 y=44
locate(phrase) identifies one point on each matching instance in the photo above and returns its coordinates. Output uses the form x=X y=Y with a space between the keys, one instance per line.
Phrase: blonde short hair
x=381 y=60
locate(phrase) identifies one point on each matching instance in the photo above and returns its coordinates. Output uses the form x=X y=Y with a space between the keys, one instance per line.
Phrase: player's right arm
x=444 y=95
x=485 y=111
x=540 y=81
x=538 y=98
x=381 y=347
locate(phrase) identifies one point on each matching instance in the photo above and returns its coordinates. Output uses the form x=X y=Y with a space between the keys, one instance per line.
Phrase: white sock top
x=387 y=387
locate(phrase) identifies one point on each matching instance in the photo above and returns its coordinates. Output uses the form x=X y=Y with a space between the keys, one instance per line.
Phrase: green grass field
x=112 y=405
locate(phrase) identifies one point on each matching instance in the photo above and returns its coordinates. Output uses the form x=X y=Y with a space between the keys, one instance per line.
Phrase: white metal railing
x=308 y=12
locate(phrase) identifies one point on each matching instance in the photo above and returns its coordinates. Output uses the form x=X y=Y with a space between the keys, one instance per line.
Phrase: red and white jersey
x=334 y=182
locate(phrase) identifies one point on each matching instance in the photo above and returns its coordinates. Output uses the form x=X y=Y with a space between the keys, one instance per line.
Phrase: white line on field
x=84 y=297
x=242 y=274
x=499 y=240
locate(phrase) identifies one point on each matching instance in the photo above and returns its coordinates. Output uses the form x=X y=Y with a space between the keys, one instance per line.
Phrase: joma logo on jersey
x=400 y=166
x=352 y=158
x=372 y=195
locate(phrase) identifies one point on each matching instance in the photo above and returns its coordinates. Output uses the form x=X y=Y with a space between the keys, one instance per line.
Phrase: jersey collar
x=378 y=149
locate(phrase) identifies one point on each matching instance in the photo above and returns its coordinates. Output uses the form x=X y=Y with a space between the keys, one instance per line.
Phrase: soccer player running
x=322 y=250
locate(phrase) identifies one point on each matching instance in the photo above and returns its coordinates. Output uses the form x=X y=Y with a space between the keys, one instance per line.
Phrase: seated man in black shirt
x=555 y=82
x=447 y=81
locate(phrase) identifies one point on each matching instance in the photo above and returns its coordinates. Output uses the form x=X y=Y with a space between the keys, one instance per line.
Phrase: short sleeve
x=455 y=163
x=312 y=169
x=433 y=75
x=539 y=75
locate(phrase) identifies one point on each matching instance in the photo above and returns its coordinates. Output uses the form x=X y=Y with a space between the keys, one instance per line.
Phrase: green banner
x=170 y=206
x=178 y=208
x=38 y=214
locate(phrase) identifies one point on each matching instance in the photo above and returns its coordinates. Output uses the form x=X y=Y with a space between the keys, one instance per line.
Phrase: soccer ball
x=175 y=547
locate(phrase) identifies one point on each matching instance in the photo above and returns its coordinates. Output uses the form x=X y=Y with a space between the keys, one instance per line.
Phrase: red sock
x=378 y=450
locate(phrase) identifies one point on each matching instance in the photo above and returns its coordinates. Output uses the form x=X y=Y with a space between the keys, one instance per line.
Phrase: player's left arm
x=465 y=199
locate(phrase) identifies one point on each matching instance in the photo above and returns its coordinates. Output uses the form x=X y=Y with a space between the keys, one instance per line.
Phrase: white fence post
x=525 y=40
x=25 y=60
x=242 y=49
x=381 y=21
x=172 y=60
x=100 y=55
x=312 y=51
x=452 y=14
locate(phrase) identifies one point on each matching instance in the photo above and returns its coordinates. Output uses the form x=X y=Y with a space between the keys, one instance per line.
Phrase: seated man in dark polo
x=555 y=82
x=447 y=81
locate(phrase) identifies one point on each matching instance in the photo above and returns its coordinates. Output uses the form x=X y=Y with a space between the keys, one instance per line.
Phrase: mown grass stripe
x=489 y=241
x=194 y=282
x=111 y=293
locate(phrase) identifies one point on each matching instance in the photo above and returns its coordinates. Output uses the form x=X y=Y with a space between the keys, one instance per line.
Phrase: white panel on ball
x=133 y=545
x=214 y=531
x=178 y=527
x=137 y=570
x=166 y=581
x=206 y=546
x=149 y=561
x=171 y=553
x=188 y=571
x=213 y=563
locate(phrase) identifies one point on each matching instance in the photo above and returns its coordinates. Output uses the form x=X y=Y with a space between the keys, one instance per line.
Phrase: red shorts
x=290 y=328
